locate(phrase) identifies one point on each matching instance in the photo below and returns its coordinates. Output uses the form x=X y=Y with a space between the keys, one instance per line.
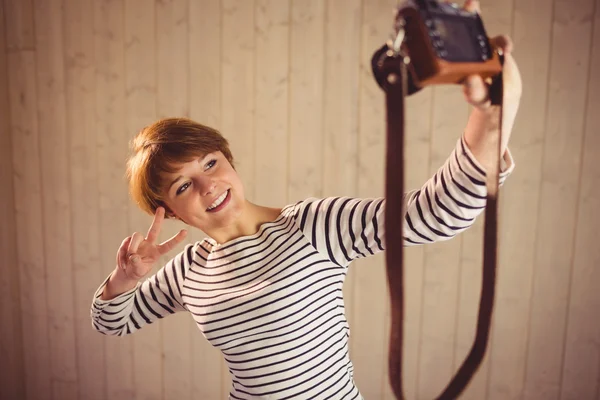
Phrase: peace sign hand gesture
x=137 y=255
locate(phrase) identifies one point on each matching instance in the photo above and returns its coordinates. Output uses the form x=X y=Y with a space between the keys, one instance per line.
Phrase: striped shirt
x=272 y=302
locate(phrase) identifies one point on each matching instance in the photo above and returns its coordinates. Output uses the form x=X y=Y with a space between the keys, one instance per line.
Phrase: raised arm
x=344 y=229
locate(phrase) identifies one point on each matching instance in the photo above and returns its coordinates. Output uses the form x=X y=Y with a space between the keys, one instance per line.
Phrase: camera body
x=445 y=43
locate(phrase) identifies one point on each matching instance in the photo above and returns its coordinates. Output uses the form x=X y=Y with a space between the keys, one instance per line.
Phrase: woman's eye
x=210 y=164
x=182 y=188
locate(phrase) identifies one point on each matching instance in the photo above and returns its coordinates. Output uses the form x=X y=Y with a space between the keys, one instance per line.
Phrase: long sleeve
x=156 y=297
x=344 y=229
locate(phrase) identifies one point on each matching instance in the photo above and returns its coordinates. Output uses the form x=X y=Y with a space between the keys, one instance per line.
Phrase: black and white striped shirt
x=272 y=302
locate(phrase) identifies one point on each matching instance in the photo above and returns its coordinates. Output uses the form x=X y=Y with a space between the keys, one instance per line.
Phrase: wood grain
x=88 y=271
x=561 y=166
x=306 y=115
x=28 y=214
x=112 y=191
x=19 y=25
x=271 y=101
x=581 y=366
x=28 y=197
x=51 y=107
x=12 y=384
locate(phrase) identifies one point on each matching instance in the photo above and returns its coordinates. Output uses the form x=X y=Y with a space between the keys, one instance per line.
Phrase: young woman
x=265 y=286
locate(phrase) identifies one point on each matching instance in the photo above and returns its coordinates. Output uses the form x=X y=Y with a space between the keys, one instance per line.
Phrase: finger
x=154 y=230
x=503 y=42
x=122 y=253
x=168 y=245
x=136 y=240
x=135 y=261
x=473 y=6
x=476 y=91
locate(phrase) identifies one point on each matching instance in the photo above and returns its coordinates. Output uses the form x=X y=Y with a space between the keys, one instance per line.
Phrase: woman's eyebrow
x=175 y=181
x=205 y=156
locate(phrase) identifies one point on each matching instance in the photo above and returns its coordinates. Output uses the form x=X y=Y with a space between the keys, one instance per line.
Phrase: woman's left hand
x=484 y=117
x=475 y=89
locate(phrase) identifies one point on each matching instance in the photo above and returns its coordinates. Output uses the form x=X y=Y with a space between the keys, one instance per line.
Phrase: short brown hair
x=159 y=148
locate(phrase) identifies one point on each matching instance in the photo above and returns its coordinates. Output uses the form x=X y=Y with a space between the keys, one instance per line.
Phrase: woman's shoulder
x=316 y=205
x=295 y=208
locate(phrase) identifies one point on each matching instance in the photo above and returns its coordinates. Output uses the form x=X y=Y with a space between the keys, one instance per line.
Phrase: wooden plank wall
x=11 y=329
x=289 y=84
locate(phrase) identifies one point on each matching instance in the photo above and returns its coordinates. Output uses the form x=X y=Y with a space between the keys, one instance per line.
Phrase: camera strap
x=391 y=74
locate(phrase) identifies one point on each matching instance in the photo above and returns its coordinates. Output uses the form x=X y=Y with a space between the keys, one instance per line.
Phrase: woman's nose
x=207 y=186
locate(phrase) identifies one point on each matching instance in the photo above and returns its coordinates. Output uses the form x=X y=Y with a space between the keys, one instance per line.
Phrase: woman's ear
x=170 y=215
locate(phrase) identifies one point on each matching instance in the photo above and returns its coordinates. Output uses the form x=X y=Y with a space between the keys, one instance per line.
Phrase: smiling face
x=206 y=193
x=186 y=167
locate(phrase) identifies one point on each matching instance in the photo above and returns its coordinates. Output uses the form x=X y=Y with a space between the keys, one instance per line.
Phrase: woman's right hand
x=138 y=254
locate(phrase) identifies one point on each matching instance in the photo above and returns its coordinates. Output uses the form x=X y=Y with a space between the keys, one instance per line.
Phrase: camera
x=441 y=43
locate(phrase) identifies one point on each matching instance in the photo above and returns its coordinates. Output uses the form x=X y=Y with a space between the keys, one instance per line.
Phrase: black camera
x=440 y=43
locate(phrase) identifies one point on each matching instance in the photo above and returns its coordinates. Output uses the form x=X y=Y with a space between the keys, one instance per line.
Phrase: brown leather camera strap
x=395 y=75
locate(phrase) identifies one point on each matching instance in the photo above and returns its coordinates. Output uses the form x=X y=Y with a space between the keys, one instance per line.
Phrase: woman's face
x=206 y=193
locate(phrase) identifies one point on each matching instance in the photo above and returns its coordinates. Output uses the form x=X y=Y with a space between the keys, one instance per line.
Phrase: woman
x=265 y=286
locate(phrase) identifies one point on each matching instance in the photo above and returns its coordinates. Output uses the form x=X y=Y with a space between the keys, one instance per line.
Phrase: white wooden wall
x=289 y=84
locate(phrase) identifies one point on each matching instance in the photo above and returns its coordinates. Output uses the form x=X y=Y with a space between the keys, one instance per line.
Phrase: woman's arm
x=117 y=284
x=156 y=297
x=344 y=229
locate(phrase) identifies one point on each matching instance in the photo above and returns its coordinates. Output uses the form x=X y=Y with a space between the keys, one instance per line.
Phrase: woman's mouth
x=220 y=203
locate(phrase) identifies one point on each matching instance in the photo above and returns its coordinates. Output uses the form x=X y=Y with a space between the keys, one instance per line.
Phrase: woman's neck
x=248 y=223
